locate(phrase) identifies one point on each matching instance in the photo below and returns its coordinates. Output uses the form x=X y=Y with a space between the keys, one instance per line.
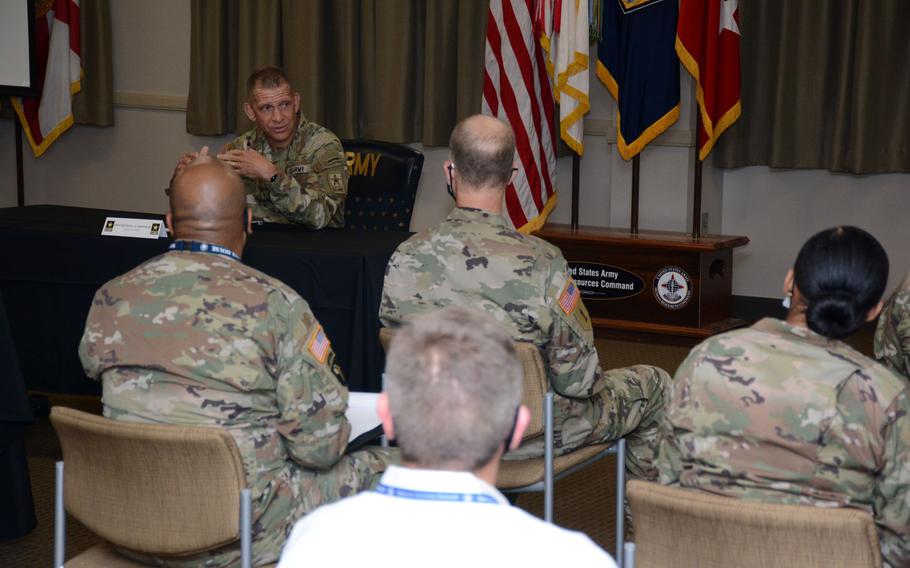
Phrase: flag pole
x=576 y=166
x=20 y=177
x=696 y=194
x=635 y=172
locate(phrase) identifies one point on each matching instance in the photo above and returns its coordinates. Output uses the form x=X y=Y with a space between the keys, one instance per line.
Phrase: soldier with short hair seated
x=476 y=258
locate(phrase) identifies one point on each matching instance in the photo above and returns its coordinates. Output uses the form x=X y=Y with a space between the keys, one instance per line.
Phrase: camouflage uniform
x=476 y=259
x=892 y=338
x=312 y=180
x=778 y=413
x=195 y=338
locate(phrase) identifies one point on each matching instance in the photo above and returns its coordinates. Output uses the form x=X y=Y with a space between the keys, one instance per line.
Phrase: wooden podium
x=651 y=285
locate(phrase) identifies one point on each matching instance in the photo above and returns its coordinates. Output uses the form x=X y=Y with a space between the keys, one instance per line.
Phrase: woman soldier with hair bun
x=785 y=412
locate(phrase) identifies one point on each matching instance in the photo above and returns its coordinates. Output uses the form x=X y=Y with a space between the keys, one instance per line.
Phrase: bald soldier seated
x=196 y=337
x=476 y=258
x=294 y=170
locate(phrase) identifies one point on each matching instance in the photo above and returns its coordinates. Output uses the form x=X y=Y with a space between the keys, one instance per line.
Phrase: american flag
x=516 y=89
x=569 y=298
x=319 y=345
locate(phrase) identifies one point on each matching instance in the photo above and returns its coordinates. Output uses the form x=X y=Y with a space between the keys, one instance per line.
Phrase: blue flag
x=637 y=62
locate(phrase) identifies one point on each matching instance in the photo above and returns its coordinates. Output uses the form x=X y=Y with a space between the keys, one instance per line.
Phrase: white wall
x=127 y=166
x=779 y=210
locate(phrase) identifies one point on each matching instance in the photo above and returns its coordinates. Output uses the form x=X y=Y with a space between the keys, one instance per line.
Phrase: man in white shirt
x=452 y=402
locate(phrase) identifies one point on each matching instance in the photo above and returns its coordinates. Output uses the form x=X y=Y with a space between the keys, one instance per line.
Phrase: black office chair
x=383 y=185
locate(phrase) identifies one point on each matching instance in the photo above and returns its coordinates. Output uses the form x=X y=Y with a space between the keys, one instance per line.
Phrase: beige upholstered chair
x=536 y=475
x=687 y=528
x=154 y=489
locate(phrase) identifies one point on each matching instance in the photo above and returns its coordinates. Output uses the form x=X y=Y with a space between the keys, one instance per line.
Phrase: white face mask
x=786 y=301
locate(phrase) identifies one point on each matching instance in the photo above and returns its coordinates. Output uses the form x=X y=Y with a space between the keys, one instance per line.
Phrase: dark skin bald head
x=208 y=204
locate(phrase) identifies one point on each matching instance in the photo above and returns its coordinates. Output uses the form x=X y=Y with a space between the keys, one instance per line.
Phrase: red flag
x=48 y=115
x=707 y=42
x=516 y=89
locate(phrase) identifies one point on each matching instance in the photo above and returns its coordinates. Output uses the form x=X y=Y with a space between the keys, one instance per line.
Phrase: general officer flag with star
x=707 y=41
x=637 y=62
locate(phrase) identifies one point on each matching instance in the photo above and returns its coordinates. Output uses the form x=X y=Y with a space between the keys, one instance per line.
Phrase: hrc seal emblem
x=672 y=287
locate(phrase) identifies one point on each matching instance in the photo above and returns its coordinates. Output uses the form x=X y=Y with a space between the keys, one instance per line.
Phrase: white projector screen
x=17 y=48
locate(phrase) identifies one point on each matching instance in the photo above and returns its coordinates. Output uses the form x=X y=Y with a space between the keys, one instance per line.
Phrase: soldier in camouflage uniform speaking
x=195 y=337
x=476 y=259
x=294 y=170
x=785 y=412
x=892 y=338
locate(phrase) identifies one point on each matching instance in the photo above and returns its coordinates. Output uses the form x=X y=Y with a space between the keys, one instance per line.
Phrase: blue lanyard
x=434 y=496
x=194 y=246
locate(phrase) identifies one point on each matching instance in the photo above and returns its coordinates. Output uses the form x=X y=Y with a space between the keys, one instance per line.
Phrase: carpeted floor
x=36 y=549
x=583 y=501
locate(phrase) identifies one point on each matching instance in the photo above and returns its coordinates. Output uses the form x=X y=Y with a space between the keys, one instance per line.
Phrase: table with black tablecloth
x=17 y=516
x=53 y=259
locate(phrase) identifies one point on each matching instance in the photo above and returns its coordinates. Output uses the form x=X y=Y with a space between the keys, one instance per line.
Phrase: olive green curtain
x=94 y=103
x=395 y=70
x=824 y=85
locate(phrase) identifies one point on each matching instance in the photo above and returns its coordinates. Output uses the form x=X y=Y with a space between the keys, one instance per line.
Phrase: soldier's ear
x=876 y=309
x=385 y=415
x=248 y=221
x=788 y=282
x=522 y=419
x=248 y=111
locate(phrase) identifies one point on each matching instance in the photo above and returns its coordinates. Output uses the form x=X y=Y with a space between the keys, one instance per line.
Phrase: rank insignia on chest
x=299 y=169
x=319 y=345
x=335 y=180
x=569 y=298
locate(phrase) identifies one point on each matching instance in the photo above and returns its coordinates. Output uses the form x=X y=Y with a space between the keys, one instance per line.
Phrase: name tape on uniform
x=133 y=228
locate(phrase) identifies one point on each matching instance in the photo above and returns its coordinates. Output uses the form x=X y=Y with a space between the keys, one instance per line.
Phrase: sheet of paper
x=362 y=412
x=133 y=228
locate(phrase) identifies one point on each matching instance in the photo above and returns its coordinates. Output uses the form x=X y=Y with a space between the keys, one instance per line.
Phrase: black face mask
x=449 y=183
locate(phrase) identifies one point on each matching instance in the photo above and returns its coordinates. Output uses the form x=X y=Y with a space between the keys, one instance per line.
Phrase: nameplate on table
x=133 y=228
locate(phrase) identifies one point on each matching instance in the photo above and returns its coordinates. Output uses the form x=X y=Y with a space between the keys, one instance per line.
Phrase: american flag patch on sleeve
x=319 y=345
x=569 y=298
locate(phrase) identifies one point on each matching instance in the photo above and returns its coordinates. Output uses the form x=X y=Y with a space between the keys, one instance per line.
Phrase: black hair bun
x=834 y=314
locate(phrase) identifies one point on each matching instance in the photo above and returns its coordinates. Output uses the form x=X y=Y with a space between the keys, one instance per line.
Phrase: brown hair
x=267 y=78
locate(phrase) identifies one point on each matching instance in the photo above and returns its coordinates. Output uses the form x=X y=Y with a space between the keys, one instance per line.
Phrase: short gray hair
x=483 y=151
x=454 y=384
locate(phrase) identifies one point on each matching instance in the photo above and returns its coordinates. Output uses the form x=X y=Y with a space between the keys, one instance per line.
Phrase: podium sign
x=651 y=282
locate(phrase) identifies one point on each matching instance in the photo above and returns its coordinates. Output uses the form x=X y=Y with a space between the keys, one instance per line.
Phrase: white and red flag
x=48 y=115
x=516 y=89
x=707 y=42
x=565 y=41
